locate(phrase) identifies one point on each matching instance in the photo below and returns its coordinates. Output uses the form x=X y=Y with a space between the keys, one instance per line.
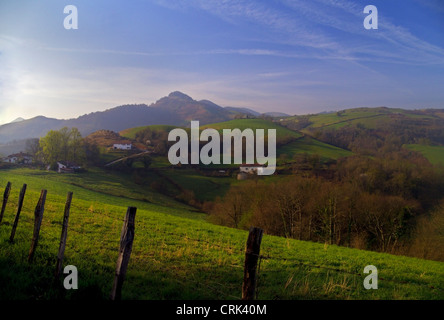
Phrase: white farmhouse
x=252 y=168
x=21 y=157
x=67 y=167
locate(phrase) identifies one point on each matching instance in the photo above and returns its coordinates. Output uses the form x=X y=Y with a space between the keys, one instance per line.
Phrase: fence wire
x=230 y=249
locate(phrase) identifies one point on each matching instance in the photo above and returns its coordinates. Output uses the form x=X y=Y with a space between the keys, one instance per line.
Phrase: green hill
x=368 y=117
x=435 y=154
x=311 y=146
x=131 y=133
x=281 y=132
x=241 y=124
x=177 y=254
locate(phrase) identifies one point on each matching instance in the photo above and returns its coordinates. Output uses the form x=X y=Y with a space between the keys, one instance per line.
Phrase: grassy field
x=311 y=146
x=435 y=154
x=177 y=254
x=327 y=119
x=281 y=132
x=368 y=117
x=231 y=124
x=204 y=188
x=131 y=133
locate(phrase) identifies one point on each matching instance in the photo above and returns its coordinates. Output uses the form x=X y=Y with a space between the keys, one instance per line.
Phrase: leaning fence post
x=19 y=209
x=5 y=199
x=38 y=216
x=126 y=245
x=252 y=251
x=62 y=245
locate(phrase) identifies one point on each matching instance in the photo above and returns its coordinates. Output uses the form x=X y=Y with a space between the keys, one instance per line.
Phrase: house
x=22 y=158
x=67 y=167
x=251 y=168
x=120 y=146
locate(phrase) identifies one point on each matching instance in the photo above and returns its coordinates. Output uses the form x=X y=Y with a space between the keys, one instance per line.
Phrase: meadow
x=177 y=254
x=435 y=154
x=282 y=133
x=310 y=146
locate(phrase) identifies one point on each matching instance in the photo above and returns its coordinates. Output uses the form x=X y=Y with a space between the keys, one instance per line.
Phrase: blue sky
x=292 y=56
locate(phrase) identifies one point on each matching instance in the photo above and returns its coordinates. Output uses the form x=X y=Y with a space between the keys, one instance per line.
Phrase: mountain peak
x=20 y=119
x=180 y=95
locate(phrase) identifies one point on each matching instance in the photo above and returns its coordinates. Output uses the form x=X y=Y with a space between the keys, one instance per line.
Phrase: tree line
x=384 y=204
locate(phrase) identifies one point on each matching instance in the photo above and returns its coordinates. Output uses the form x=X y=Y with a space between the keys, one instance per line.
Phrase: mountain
x=31 y=128
x=188 y=109
x=17 y=120
x=176 y=109
x=255 y=113
x=276 y=114
x=243 y=110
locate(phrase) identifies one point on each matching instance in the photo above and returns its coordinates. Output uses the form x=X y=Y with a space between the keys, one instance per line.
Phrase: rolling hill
x=177 y=254
x=282 y=133
x=311 y=146
x=368 y=117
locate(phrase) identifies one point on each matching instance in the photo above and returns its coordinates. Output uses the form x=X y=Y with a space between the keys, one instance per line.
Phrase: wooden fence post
x=62 y=245
x=126 y=245
x=252 y=252
x=38 y=216
x=5 y=199
x=19 y=209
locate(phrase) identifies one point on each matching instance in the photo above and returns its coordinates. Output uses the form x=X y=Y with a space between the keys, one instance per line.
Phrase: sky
x=292 y=56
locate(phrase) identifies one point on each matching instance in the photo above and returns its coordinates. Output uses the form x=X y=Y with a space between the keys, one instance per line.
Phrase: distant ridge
x=176 y=109
x=276 y=114
x=243 y=110
x=17 y=120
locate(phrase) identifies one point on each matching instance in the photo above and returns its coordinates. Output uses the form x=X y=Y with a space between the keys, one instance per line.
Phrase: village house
x=21 y=158
x=67 y=167
x=120 y=146
x=251 y=168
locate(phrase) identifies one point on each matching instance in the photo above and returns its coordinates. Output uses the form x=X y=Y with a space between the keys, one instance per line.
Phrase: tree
x=62 y=145
x=146 y=160
x=51 y=148
x=33 y=148
x=76 y=148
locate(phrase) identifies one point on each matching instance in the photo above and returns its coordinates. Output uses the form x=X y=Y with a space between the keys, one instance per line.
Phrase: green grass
x=327 y=119
x=131 y=133
x=311 y=146
x=369 y=117
x=241 y=124
x=98 y=187
x=204 y=188
x=179 y=255
x=281 y=132
x=435 y=154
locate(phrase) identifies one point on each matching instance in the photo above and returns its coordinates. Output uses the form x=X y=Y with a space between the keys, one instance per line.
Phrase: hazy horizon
x=291 y=56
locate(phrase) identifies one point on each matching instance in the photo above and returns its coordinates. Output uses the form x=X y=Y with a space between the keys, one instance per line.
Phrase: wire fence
x=231 y=248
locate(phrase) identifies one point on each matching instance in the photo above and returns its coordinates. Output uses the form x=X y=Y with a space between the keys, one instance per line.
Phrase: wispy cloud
x=309 y=23
x=406 y=47
x=295 y=30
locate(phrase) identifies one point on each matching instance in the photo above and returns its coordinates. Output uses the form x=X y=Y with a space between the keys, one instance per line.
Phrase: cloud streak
x=308 y=24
